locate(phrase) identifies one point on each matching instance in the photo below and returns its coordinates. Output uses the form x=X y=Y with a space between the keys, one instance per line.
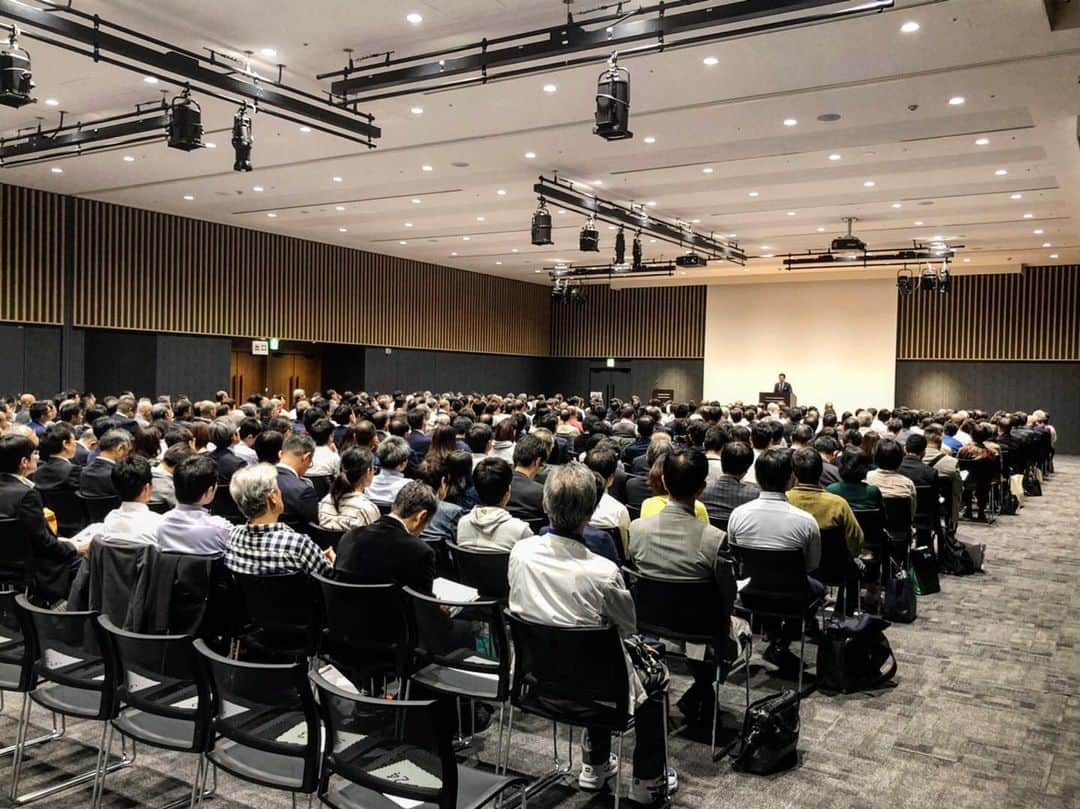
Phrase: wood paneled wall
x=137 y=269
x=1028 y=316
x=31 y=255
x=641 y=322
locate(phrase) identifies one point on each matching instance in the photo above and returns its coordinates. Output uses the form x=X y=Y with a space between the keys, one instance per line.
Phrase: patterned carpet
x=985 y=710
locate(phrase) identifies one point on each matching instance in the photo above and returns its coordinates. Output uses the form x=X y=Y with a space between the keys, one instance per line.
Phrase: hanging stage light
x=905 y=281
x=613 y=102
x=620 y=247
x=944 y=279
x=242 y=139
x=928 y=281
x=635 y=251
x=185 y=123
x=541 y=225
x=16 y=80
x=590 y=238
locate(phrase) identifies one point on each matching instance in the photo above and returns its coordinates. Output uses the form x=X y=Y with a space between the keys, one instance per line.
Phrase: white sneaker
x=594 y=776
x=649 y=791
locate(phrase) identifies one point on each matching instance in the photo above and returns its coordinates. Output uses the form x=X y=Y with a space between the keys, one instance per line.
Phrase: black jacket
x=385 y=552
x=96 y=479
x=637 y=492
x=921 y=474
x=526 y=498
x=57 y=473
x=301 y=502
x=227 y=463
x=52 y=562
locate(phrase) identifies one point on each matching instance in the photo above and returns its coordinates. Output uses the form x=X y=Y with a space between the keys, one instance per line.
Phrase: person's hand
x=330 y=555
x=83 y=547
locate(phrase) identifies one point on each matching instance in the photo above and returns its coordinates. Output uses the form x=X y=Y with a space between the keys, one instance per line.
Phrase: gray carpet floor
x=984 y=712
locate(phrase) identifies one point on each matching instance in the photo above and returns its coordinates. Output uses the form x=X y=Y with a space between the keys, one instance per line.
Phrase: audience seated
x=852 y=486
x=728 y=491
x=96 y=479
x=190 y=527
x=526 y=495
x=325 y=461
x=939 y=459
x=57 y=468
x=489 y=526
x=480 y=440
x=443 y=525
x=301 y=501
x=829 y=509
x=163 y=485
x=610 y=514
x=225 y=437
x=347 y=504
x=133 y=521
x=393 y=457
x=888 y=455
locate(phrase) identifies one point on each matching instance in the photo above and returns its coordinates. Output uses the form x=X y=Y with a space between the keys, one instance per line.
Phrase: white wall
x=835 y=340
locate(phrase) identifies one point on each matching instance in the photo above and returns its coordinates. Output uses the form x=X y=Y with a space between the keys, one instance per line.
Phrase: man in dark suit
x=298 y=493
x=390 y=550
x=57 y=448
x=526 y=495
x=920 y=473
x=54 y=561
x=96 y=478
x=782 y=385
x=640 y=445
x=224 y=435
x=418 y=439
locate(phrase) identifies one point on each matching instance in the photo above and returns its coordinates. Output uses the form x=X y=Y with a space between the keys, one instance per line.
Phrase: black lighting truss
x=117 y=45
x=565 y=193
x=145 y=124
x=869 y=258
x=612 y=272
x=633 y=32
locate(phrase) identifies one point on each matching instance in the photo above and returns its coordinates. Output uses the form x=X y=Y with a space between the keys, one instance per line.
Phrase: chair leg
x=618 y=768
x=498 y=751
x=509 y=734
x=20 y=743
x=715 y=714
x=802 y=650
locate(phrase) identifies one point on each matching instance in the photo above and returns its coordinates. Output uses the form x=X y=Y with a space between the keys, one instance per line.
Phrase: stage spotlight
x=613 y=102
x=928 y=281
x=944 y=279
x=577 y=295
x=185 y=123
x=541 y=225
x=905 y=282
x=620 y=247
x=590 y=238
x=242 y=139
x=16 y=80
x=635 y=251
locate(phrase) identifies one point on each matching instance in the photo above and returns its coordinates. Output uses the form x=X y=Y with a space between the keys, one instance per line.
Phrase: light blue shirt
x=385 y=486
x=771 y=523
x=193 y=529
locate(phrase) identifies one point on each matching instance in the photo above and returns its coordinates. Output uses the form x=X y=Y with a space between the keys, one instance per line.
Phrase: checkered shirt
x=262 y=550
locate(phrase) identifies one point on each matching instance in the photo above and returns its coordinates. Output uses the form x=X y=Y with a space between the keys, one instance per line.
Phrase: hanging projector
x=185 y=123
x=541 y=225
x=589 y=242
x=16 y=80
x=849 y=246
x=613 y=102
x=691 y=259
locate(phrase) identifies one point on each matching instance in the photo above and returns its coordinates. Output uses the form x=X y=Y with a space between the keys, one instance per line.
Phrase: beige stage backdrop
x=835 y=340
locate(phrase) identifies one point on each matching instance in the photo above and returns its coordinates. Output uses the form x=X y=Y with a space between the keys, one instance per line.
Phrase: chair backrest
x=366 y=626
x=323 y=537
x=400 y=748
x=321 y=484
x=485 y=570
x=433 y=641
x=836 y=564
x=69 y=652
x=536 y=524
x=267 y=707
x=224 y=506
x=65 y=503
x=159 y=674
x=681 y=609
x=719 y=522
x=384 y=508
x=159 y=506
x=617 y=541
x=898 y=515
x=926 y=501
x=872 y=523
x=284 y=607
x=17 y=652
x=16 y=554
x=97 y=508
x=981 y=472
x=576 y=675
x=777 y=579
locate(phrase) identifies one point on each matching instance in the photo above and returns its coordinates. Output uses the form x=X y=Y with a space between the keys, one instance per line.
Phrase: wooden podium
x=786 y=399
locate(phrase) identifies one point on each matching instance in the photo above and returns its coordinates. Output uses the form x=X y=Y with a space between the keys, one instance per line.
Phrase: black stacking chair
x=224 y=506
x=283 y=610
x=321 y=483
x=366 y=632
x=485 y=570
x=16 y=556
x=401 y=750
x=576 y=676
x=982 y=482
x=164 y=697
x=159 y=506
x=73 y=676
x=17 y=658
x=690 y=611
x=65 y=503
x=473 y=665
x=266 y=725
x=837 y=569
x=778 y=588
x=384 y=508
x=719 y=522
x=537 y=524
x=323 y=537
x=927 y=514
x=98 y=507
x=898 y=528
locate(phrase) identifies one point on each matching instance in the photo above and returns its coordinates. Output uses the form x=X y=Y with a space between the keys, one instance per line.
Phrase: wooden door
x=279 y=375
x=307 y=372
x=247 y=375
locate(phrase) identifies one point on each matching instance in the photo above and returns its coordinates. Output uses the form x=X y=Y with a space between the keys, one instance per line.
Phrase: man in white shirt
x=190 y=528
x=133 y=521
x=245 y=447
x=760 y=440
x=325 y=460
x=610 y=514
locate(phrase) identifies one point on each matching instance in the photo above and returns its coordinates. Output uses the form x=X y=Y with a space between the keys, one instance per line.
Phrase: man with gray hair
x=393 y=454
x=555 y=580
x=265 y=545
x=301 y=501
x=96 y=478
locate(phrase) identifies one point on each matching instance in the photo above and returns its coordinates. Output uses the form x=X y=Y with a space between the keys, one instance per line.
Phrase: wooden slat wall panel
x=142 y=270
x=641 y=322
x=32 y=228
x=1032 y=316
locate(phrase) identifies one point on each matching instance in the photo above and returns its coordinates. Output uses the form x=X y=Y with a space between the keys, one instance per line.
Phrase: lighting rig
x=850 y=251
x=612 y=271
x=701 y=247
x=212 y=74
x=562 y=291
x=631 y=32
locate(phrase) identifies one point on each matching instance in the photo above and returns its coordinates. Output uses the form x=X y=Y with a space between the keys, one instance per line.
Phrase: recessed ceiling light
x=898 y=205
x=530 y=155
x=967 y=260
x=752 y=194
x=272 y=215
x=426 y=167
x=695 y=221
x=711 y=60
x=869 y=184
x=416 y=110
x=189 y=197
x=1029 y=216
x=416 y=200
x=408 y=224
x=650 y=139
x=129 y=159
x=982 y=142
x=707 y=170
x=1053 y=255
x=339 y=207
x=343 y=230
x=652 y=241
x=764 y=247
x=821 y=230
x=257 y=188
x=210 y=145
x=337 y=179
x=767 y=255
x=150 y=79
x=305 y=129
x=56 y=170
x=611 y=227
x=1047 y=244
x=513 y=249
x=909 y=27
x=651 y=203
x=414 y=18
x=956 y=101
x=596 y=182
x=1016 y=196
x=1001 y=172
x=551 y=88
x=561 y=212
x=790 y=122
x=791 y=213
x=732 y=235
x=835 y=156
x=498 y=263
x=1038 y=231
x=465 y=238
x=269 y=53
x=501 y=192
x=403 y=242
x=52 y=102
x=918 y=223
x=480 y=219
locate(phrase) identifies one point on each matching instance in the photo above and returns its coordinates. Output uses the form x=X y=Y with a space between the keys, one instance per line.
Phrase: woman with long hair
x=443 y=443
x=346 y=506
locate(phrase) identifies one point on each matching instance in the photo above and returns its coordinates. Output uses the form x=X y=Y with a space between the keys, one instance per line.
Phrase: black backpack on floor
x=900 y=602
x=854 y=655
x=924 y=571
x=770 y=735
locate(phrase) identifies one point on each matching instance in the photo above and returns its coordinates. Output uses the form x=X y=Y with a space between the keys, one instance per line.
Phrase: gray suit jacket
x=675 y=544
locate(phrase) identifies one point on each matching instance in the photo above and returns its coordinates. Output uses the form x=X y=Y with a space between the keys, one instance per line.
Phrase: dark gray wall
x=408 y=369
x=29 y=360
x=343 y=367
x=572 y=376
x=195 y=366
x=990 y=386
x=120 y=360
